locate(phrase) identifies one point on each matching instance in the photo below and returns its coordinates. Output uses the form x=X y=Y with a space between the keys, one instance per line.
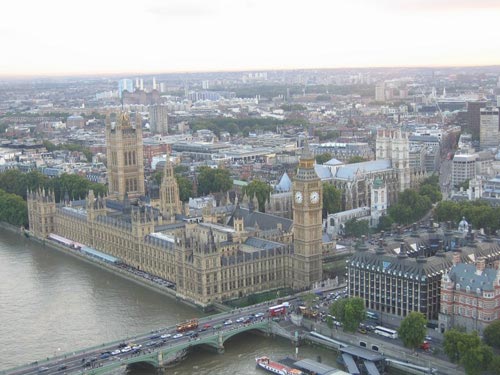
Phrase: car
x=105 y=355
x=137 y=347
x=62 y=368
x=43 y=369
x=177 y=336
x=206 y=326
x=122 y=345
x=240 y=320
x=259 y=315
x=218 y=326
x=116 y=352
x=189 y=334
x=362 y=330
x=228 y=322
x=425 y=345
x=126 y=349
x=166 y=336
x=155 y=336
x=428 y=338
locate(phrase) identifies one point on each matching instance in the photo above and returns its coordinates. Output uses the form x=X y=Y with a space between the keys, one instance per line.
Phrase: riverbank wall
x=168 y=292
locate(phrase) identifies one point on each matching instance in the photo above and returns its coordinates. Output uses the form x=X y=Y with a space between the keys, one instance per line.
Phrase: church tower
x=307 y=208
x=125 y=157
x=395 y=145
x=170 y=203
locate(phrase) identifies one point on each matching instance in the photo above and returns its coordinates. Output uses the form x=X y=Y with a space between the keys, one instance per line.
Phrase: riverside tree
x=350 y=312
x=413 y=329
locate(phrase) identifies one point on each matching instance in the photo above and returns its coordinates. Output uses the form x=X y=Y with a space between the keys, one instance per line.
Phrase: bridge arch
x=227 y=335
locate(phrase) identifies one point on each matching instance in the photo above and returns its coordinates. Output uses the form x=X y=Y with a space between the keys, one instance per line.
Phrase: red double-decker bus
x=278 y=309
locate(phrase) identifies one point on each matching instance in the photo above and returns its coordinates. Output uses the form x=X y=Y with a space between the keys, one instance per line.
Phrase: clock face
x=298 y=197
x=314 y=197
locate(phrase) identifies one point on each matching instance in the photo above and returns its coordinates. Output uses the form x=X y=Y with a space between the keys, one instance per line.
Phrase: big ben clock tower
x=307 y=223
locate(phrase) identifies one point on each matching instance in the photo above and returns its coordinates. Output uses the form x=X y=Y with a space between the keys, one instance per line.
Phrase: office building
x=158 y=119
x=489 y=131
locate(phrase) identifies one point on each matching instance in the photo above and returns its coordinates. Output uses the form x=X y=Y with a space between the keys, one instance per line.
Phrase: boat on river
x=275 y=367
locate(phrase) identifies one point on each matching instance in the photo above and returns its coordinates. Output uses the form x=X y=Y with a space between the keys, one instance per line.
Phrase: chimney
x=480 y=265
x=402 y=251
x=456 y=257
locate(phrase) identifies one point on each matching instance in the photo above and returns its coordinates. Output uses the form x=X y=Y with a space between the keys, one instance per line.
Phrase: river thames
x=52 y=303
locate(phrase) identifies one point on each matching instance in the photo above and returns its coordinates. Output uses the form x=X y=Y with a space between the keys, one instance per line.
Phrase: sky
x=68 y=37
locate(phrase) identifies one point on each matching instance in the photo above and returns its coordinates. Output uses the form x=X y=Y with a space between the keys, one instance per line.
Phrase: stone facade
x=224 y=253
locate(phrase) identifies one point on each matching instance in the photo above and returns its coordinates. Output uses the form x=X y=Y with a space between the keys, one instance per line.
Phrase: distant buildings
x=125 y=85
x=75 y=121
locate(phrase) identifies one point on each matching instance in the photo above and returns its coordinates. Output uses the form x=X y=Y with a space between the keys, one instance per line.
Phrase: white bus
x=386 y=332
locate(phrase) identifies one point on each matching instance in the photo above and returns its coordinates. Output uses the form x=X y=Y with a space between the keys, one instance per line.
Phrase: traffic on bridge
x=157 y=347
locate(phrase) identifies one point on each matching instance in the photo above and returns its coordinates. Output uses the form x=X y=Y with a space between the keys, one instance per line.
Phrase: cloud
x=187 y=8
x=441 y=5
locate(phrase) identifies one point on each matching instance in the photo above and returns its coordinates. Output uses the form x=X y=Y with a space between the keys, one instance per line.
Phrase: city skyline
x=122 y=37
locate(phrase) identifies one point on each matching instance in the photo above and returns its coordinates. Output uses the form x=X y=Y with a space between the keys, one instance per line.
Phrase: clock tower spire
x=307 y=223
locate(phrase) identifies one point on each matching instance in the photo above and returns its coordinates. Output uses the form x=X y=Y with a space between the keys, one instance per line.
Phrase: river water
x=51 y=303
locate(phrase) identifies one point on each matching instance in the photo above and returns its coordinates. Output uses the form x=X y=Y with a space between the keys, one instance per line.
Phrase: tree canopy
x=215 y=180
x=70 y=147
x=411 y=207
x=350 y=312
x=332 y=199
x=323 y=158
x=15 y=182
x=13 y=209
x=413 y=329
x=261 y=190
x=356 y=228
x=468 y=350
x=355 y=159
x=491 y=334
x=478 y=213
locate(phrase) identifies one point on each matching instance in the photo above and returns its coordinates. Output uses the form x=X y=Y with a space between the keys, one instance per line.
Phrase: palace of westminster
x=229 y=251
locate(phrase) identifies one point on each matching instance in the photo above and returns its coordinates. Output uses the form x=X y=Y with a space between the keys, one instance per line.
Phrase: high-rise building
x=125 y=84
x=380 y=92
x=158 y=119
x=307 y=215
x=489 y=128
x=463 y=168
x=473 y=117
x=125 y=157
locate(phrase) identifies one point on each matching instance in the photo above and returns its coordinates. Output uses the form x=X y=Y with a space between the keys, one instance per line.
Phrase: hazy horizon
x=56 y=38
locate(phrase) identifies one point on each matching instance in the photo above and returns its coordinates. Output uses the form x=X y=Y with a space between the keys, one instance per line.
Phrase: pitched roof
x=349 y=171
x=284 y=185
x=466 y=276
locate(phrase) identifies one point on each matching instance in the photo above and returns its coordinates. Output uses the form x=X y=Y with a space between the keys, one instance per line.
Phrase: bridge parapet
x=156 y=355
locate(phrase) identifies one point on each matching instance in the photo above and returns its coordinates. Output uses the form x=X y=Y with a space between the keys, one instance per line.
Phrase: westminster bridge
x=158 y=348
